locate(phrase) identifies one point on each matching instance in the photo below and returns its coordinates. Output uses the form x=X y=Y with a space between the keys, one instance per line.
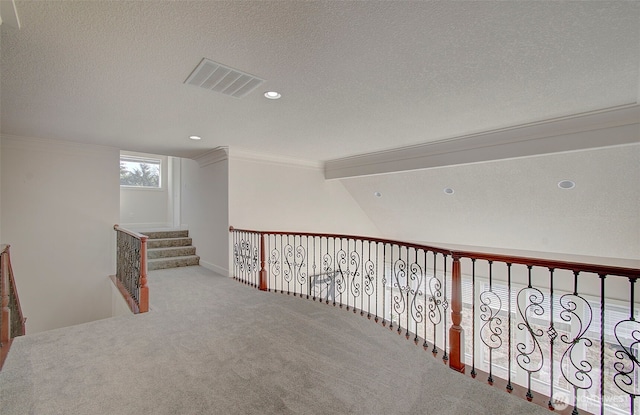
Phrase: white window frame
x=148 y=160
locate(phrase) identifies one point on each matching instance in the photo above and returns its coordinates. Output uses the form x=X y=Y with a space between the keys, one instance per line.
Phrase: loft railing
x=131 y=268
x=564 y=335
x=12 y=321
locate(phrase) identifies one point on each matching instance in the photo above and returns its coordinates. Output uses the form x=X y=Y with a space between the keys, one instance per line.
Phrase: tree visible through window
x=140 y=172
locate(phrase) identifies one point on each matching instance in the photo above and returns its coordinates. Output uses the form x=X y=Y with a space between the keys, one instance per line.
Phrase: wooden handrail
x=130 y=232
x=599 y=269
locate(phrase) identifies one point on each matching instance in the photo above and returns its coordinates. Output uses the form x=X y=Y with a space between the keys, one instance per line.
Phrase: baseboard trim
x=214 y=268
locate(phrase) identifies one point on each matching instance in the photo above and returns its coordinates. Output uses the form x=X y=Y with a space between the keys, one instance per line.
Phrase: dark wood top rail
x=632 y=273
x=341 y=236
x=552 y=264
x=130 y=232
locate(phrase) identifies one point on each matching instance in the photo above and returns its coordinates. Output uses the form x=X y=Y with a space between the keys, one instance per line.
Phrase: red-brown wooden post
x=5 y=327
x=263 y=270
x=456 y=334
x=144 y=289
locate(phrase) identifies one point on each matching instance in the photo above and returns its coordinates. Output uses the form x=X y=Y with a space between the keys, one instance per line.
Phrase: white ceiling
x=356 y=77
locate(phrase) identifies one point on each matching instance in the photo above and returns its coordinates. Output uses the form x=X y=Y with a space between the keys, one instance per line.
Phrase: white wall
x=146 y=207
x=205 y=211
x=516 y=203
x=59 y=205
x=264 y=195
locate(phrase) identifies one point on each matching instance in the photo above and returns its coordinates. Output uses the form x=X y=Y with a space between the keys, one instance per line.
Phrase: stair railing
x=564 y=335
x=131 y=268
x=12 y=321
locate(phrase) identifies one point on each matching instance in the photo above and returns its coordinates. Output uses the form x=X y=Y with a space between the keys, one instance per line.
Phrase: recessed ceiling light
x=377 y=194
x=449 y=191
x=566 y=184
x=272 y=95
x=195 y=137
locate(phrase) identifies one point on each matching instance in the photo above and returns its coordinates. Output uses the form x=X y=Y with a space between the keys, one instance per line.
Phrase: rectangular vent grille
x=219 y=78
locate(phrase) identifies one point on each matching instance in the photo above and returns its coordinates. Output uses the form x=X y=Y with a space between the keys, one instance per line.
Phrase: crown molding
x=227 y=153
x=251 y=156
x=50 y=145
x=216 y=155
x=603 y=128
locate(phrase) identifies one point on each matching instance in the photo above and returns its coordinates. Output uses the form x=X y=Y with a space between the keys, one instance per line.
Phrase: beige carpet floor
x=211 y=345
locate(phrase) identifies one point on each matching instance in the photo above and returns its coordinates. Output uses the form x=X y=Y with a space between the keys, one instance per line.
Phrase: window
x=140 y=172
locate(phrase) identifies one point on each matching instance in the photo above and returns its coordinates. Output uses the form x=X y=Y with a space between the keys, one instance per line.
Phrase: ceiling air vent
x=219 y=78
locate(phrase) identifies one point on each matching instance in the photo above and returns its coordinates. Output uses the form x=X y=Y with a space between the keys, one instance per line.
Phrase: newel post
x=456 y=334
x=144 y=288
x=5 y=327
x=263 y=270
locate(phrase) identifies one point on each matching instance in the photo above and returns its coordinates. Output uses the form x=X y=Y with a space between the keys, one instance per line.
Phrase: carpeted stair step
x=167 y=234
x=168 y=242
x=170 y=248
x=173 y=262
x=154 y=253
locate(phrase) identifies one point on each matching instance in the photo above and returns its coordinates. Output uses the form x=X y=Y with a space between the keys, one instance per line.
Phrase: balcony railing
x=564 y=335
x=131 y=269
x=12 y=321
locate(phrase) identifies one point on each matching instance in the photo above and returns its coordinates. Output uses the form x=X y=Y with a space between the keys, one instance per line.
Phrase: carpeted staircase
x=170 y=249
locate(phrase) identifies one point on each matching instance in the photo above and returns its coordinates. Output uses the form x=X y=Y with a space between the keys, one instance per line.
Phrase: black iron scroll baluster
x=355 y=274
x=391 y=287
x=578 y=376
x=254 y=259
x=399 y=273
x=490 y=333
x=435 y=302
x=384 y=283
x=473 y=318
x=553 y=334
x=509 y=386
x=275 y=265
x=300 y=263
x=417 y=309
x=426 y=297
x=270 y=239
x=378 y=291
x=236 y=259
x=246 y=258
x=128 y=263
x=407 y=291
x=314 y=276
x=628 y=367
x=529 y=302
x=445 y=307
x=370 y=282
x=602 y=344
x=288 y=259
x=327 y=268
x=341 y=273
x=308 y=261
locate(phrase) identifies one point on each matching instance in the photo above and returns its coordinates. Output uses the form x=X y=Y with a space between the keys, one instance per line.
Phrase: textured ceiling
x=355 y=76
